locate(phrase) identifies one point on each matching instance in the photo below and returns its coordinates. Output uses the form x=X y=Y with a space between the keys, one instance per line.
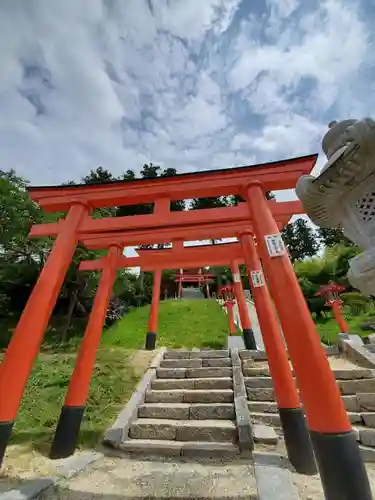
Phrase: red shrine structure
x=197 y=277
x=229 y=296
x=326 y=434
x=331 y=292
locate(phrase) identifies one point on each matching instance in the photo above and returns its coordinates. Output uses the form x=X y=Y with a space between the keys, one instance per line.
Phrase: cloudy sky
x=190 y=84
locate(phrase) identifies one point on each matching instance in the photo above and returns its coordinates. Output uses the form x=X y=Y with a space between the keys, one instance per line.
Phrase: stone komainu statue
x=343 y=194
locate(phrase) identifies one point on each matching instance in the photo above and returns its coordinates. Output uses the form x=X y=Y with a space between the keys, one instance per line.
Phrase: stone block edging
x=67 y=468
x=352 y=346
x=118 y=432
x=243 y=421
x=31 y=489
x=260 y=355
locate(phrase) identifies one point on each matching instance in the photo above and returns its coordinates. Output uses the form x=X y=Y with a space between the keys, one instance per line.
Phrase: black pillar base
x=297 y=440
x=248 y=337
x=67 y=432
x=341 y=467
x=150 y=341
x=5 y=433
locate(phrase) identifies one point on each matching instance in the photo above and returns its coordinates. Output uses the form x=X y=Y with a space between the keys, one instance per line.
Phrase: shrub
x=356 y=302
x=115 y=311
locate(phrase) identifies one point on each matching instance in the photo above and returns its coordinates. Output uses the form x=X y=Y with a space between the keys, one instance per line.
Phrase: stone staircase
x=192 y=293
x=190 y=408
x=356 y=384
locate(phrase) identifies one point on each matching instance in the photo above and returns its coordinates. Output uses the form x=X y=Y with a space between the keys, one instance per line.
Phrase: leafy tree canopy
x=300 y=240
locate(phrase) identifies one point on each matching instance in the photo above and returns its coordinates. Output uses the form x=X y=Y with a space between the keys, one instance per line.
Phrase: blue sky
x=190 y=84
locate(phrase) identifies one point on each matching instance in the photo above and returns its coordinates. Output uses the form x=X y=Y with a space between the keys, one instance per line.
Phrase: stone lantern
x=343 y=194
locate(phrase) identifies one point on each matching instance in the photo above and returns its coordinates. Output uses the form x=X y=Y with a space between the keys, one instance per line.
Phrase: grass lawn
x=195 y=323
x=182 y=323
x=112 y=384
x=329 y=329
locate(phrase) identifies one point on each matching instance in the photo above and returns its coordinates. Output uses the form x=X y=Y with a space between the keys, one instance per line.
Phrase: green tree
x=98 y=176
x=150 y=171
x=333 y=266
x=176 y=205
x=209 y=202
x=17 y=211
x=235 y=199
x=300 y=240
x=330 y=237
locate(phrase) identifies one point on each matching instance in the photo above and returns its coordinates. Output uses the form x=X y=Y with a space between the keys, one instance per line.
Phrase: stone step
x=355 y=386
x=367 y=453
x=196 y=363
x=269 y=407
x=365 y=435
x=262 y=406
x=258 y=382
x=351 y=403
x=163 y=447
x=261 y=398
x=260 y=394
x=206 y=372
x=181 y=363
x=368 y=419
x=264 y=434
x=355 y=374
x=190 y=396
x=265 y=418
x=185 y=354
x=193 y=383
x=251 y=371
x=185 y=430
x=259 y=355
x=247 y=354
x=365 y=400
x=186 y=411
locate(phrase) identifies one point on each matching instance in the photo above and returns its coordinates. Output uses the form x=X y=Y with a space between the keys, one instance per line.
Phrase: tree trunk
x=68 y=317
x=141 y=280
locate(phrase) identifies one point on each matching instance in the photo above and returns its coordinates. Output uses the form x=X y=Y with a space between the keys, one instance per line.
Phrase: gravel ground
x=127 y=478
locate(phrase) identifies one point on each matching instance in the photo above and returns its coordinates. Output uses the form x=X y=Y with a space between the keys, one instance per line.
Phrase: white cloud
x=187 y=84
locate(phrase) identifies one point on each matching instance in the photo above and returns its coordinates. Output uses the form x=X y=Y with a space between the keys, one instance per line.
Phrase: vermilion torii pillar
x=27 y=338
x=297 y=439
x=154 y=312
x=247 y=331
x=68 y=427
x=337 y=453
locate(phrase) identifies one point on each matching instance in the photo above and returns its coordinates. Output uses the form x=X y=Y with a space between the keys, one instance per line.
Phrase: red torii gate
x=156 y=260
x=199 y=276
x=335 y=446
x=66 y=435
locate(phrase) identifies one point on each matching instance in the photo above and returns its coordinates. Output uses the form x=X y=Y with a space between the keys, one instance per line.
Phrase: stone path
x=152 y=478
x=184 y=441
x=192 y=293
x=188 y=440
